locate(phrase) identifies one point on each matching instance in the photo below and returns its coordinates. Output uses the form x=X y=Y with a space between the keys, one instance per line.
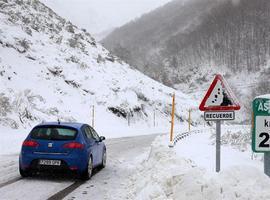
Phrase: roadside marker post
x=189 y=120
x=261 y=129
x=172 y=121
x=93 y=116
x=155 y=117
x=218 y=105
x=128 y=118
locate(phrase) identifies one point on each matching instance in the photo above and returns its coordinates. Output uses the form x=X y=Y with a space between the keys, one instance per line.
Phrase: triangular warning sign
x=219 y=97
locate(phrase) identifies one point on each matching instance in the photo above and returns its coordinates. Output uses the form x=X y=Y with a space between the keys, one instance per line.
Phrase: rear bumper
x=73 y=162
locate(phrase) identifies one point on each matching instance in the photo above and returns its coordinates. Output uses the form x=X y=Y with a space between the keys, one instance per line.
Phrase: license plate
x=50 y=162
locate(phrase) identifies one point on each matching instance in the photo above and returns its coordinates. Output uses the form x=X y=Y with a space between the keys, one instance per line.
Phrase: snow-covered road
x=109 y=183
x=143 y=168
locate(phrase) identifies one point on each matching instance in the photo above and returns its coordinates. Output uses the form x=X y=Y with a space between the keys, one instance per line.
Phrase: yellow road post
x=172 y=121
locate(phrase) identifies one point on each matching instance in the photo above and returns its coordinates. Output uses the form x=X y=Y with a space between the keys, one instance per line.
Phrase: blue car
x=62 y=146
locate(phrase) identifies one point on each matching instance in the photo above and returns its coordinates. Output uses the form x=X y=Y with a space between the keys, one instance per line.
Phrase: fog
x=102 y=15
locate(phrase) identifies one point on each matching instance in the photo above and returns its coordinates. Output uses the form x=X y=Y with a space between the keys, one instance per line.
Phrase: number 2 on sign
x=266 y=139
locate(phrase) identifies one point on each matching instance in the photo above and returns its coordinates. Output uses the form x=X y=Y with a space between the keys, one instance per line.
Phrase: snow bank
x=11 y=140
x=265 y=96
x=239 y=182
x=164 y=175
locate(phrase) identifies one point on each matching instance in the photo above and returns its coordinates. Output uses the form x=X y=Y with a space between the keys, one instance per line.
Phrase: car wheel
x=88 y=172
x=104 y=158
x=24 y=173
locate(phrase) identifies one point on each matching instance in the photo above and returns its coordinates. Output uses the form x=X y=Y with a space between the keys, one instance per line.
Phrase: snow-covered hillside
x=190 y=42
x=51 y=69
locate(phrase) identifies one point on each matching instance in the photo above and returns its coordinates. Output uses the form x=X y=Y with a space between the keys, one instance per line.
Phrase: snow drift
x=164 y=175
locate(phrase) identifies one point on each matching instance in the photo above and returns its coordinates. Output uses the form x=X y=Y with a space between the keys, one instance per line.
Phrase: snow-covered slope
x=190 y=42
x=51 y=69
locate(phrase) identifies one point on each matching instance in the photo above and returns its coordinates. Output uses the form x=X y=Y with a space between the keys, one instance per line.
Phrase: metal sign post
x=261 y=129
x=218 y=138
x=267 y=163
x=219 y=104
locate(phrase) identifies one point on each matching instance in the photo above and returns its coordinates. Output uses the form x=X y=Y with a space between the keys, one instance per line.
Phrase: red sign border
x=202 y=107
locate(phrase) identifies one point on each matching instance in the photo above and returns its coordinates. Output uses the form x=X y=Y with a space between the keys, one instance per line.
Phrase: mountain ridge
x=187 y=44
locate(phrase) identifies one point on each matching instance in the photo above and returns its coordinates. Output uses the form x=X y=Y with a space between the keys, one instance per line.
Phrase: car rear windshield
x=53 y=133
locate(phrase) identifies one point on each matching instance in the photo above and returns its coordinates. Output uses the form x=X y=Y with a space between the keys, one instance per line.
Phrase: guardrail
x=181 y=136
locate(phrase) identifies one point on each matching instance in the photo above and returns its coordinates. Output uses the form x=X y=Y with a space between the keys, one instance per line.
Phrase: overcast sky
x=101 y=15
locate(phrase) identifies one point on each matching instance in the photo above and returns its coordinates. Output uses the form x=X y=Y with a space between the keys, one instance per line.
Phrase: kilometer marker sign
x=261 y=129
x=261 y=124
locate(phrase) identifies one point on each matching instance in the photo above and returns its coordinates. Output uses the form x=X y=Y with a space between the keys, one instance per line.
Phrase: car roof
x=67 y=124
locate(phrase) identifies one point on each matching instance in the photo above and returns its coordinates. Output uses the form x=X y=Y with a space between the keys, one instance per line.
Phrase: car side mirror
x=102 y=138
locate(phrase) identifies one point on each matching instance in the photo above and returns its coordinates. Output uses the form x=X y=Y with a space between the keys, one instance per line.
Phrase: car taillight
x=30 y=143
x=73 y=145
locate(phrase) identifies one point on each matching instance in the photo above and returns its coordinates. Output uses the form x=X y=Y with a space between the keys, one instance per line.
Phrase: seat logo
x=50 y=145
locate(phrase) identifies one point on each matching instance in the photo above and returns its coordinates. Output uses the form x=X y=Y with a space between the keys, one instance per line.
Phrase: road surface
x=109 y=183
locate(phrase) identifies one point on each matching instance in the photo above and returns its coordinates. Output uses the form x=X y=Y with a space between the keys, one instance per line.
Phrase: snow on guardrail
x=181 y=136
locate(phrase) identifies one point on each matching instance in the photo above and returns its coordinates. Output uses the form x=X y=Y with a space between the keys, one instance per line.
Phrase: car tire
x=89 y=170
x=24 y=173
x=104 y=159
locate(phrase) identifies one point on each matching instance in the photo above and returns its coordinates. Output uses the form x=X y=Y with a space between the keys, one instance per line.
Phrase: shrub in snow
x=118 y=111
x=73 y=59
x=141 y=96
x=28 y=31
x=73 y=42
x=56 y=71
x=7 y=122
x=59 y=40
x=23 y=45
x=239 y=139
x=100 y=59
x=5 y=106
x=26 y=20
x=70 y=28
x=83 y=65
x=73 y=83
x=24 y=105
x=19 y=2
x=110 y=57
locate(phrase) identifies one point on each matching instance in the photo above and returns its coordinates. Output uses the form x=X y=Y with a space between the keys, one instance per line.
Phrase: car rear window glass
x=54 y=133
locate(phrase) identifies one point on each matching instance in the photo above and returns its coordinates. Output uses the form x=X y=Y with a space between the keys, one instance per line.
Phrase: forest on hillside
x=177 y=37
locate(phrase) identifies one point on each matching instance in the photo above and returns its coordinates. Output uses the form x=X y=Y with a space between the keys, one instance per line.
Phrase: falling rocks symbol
x=219 y=97
x=226 y=101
